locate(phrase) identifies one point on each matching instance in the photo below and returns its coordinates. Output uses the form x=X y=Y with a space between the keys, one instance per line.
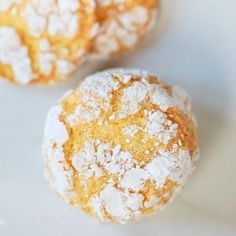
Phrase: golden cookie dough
x=121 y=145
x=123 y=24
x=42 y=41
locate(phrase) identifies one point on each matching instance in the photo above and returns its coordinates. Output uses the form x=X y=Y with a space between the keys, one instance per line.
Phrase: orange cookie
x=123 y=25
x=121 y=145
x=42 y=41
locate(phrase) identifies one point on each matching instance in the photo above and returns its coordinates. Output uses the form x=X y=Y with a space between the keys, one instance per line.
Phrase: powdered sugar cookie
x=121 y=145
x=44 y=40
x=123 y=25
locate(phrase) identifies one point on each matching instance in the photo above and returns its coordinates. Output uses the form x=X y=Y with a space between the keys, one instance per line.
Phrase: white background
x=195 y=47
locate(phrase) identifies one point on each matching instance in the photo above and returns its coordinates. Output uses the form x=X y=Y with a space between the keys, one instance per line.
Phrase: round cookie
x=42 y=41
x=121 y=145
x=123 y=24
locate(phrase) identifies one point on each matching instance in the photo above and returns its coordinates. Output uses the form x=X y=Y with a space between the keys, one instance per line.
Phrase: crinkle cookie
x=120 y=146
x=124 y=23
x=42 y=41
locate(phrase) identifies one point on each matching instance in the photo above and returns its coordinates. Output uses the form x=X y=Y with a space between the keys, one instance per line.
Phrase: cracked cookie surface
x=123 y=25
x=42 y=41
x=121 y=145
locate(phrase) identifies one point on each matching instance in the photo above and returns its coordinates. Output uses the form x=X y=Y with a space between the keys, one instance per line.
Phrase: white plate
x=195 y=47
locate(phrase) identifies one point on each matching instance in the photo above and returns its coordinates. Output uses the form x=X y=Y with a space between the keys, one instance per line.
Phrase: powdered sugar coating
x=132 y=98
x=123 y=26
x=118 y=180
x=14 y=53
x=54 y=17
x=99 y=87
x=159 y=126
x=55 y=136
x=51 y=38
x=122 y=206
x=60 y=179
x=55 y=131
x=96 y=94
x=160 y=97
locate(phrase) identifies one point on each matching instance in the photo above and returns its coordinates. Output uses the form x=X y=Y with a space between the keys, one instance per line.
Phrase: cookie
x=121 y=145
x=43 y=41
x=123 y=25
